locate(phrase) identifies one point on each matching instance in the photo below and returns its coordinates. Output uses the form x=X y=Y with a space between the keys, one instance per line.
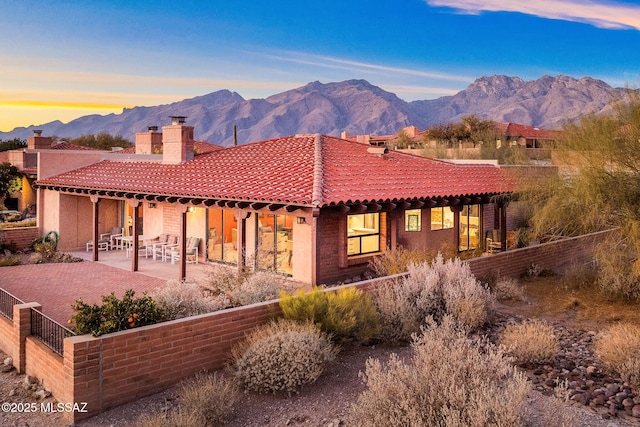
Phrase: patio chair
x=493 y=241
x=160 y=249
x=107 y=240
x=152 y=245
x=191 y=253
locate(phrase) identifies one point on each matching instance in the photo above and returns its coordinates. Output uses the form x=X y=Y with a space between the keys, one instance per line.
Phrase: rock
x=628 y=404
x=40 y=394
x=29 y=380
x=591 y=370
x=8 y=361
x=635 y=411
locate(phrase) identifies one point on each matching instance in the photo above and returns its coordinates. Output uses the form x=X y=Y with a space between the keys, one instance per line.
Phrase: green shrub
x=282 y=357
x=530 y=342
x=344 y=314
x=448 y=382
x=115 y=314
x=178 y=299
x=209 y=396
x=618 y=347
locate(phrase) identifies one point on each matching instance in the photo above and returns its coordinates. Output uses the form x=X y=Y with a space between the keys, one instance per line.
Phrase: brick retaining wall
x=21 y=237
x=124 y=366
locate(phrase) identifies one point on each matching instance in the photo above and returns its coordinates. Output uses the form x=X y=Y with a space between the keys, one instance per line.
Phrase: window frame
x=358 y=237
x=442 y=219
x=411 y=215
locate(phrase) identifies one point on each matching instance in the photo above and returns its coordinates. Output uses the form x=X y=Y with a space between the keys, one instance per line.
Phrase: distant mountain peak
x=355 y=106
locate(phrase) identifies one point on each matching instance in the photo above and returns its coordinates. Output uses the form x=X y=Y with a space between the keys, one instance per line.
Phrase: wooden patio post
x=242 y=215
x=135 y=204
x=95 y=200
x=183 y=242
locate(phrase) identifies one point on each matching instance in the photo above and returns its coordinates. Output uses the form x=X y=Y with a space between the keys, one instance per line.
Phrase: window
x=412 y=220
x=222 y=236
x=275 y=243
x=363 y=233
x=441 y=218
x=469 y=227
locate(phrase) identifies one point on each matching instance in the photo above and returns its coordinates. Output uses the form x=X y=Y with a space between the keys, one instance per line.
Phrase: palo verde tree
x=599 y=190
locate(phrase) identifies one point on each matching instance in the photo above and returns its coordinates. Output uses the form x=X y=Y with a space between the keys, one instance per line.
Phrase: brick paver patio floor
x=57 y=286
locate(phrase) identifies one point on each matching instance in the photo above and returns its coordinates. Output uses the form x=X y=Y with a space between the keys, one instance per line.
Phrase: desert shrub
x=530 y=342
x=114 y=314
x=508 y=289
x=534 y=270
x=447 y=382
x=8 y=261
x=399 y=317
x=618 y=347
x=344 y=314
x=257 y=287
x=245 y=288
x=178 y=299
x=397 y=261
x=21 y=224
x=580 y=276
x=46 y=250
x=442 y=287
x=282 y=357
x=170 y=419
x=304 y=306
x=465 y=298
x=209 y=396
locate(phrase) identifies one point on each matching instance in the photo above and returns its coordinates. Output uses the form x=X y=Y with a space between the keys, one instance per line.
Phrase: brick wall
x=556 y=256
x=22 y=237
x=117 y=368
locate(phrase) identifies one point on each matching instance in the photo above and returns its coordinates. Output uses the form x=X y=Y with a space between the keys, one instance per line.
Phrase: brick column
x=21 y=330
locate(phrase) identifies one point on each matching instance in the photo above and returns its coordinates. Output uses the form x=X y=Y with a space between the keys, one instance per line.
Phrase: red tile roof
x=298 y=170
x=517 y=130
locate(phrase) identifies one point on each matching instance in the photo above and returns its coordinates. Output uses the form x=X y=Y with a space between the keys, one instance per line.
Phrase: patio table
x=144 y=238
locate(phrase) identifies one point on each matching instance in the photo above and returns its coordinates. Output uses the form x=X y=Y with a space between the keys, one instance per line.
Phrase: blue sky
x=65 y=59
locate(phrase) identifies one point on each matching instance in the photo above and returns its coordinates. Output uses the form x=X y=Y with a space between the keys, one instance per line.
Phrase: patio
x=57 y=286
x=146 y=265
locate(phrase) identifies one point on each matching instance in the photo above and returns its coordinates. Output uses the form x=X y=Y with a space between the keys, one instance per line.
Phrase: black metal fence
x=7 y=301
x=50 y=332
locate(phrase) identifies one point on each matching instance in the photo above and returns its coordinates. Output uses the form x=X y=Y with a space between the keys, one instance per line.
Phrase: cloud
x=359 y=68
x=603 y=15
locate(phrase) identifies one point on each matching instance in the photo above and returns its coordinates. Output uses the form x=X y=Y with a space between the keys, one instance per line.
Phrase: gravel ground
x=324 y=403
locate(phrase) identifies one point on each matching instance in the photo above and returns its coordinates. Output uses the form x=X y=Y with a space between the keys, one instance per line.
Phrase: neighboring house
x=315 y=207
x=528 y=136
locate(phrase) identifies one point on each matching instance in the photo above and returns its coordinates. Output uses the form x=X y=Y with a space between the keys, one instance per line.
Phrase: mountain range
x=355 y=106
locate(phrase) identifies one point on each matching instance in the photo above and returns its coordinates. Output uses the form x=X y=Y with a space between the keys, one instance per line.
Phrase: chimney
x=344 y=134
x=177 y=141
x=149 y=142
x=37 y=141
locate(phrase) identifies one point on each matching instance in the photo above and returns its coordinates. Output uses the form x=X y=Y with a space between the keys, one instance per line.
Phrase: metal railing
x=7 y=301
x=50 y=332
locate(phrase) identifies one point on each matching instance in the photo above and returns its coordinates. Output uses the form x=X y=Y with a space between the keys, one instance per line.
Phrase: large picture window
x=441 y=218
x=363 y=233
x=275 y=243
x=222 y=236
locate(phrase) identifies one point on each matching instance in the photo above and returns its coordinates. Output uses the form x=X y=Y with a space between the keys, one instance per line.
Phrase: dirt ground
x=326 y=402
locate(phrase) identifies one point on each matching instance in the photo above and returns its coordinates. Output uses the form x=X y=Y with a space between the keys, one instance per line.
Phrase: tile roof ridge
x=318 y=172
